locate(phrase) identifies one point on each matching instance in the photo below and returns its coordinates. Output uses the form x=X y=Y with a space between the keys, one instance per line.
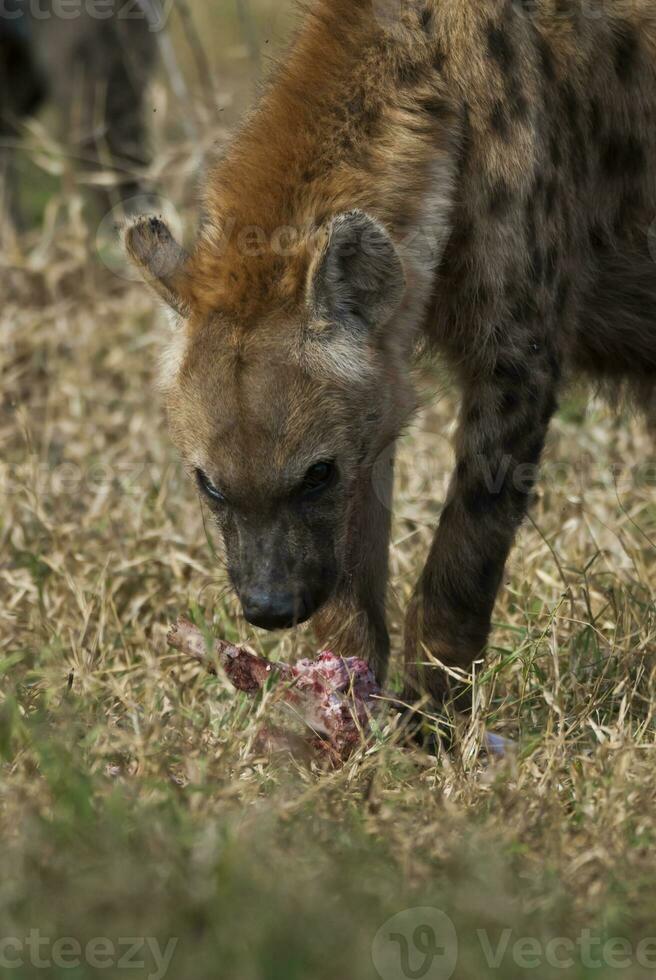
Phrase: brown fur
x=507 y=149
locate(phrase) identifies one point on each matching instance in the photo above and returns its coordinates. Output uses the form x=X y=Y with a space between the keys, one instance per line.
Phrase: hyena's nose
x=273 y=610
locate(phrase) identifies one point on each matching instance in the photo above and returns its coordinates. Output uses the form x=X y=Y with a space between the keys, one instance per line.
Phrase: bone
x=245 y=670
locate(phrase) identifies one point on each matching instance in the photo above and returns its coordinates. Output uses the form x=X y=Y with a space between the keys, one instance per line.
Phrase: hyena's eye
x=319 y=477
x=208 y=488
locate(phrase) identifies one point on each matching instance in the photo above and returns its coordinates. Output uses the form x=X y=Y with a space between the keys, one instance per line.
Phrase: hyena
x=477 y=177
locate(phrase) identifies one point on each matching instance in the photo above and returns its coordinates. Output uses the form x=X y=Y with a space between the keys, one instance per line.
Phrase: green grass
x=265 y=872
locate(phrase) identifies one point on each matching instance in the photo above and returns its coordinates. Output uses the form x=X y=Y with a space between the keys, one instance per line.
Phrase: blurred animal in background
x=22 y=87
x=94 y=69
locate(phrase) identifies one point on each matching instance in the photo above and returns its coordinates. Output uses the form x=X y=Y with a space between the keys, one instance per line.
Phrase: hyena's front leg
x=354 y=622
x=503 y=426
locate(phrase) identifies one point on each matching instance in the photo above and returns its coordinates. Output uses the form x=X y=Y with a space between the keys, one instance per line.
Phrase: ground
x=132 y=800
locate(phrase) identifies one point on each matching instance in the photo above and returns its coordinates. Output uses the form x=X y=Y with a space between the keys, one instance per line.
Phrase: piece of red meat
x=335 y=696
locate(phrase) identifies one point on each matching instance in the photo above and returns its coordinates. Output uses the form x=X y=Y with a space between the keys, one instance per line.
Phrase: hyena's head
x=281 y=397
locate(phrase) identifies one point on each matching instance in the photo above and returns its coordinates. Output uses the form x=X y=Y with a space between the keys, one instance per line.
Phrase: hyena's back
x=557 y=182
x=540 y=114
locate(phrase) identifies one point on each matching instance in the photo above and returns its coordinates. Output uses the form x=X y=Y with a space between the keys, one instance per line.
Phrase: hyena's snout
x=279 y=584
x=275 y=609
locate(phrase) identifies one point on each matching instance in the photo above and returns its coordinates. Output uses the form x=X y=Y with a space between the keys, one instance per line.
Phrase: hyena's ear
x=152 y=248
x=357 y=276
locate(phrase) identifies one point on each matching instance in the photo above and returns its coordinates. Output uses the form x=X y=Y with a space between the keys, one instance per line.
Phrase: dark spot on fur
x=500 y=47
x=355 y=105
x=570 y=10
x=626 y=51
x=347 y=142
x=439 y=59
x=500 y=199
x=570 y=104
x=623 y=157
x=578 y=144
x=538 y=186
x=435 y=106
x=366 y=114
x=555 y=151
x=426 y=18
x=546 y=60
x=410 y=73
x=517 y=102
x=499 y=120
x=550 y=195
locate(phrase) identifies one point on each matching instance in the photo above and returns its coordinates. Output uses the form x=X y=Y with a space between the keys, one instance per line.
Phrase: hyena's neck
x=358 y=117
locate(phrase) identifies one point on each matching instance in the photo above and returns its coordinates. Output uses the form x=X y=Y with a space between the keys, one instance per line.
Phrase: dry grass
x=132 y=802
